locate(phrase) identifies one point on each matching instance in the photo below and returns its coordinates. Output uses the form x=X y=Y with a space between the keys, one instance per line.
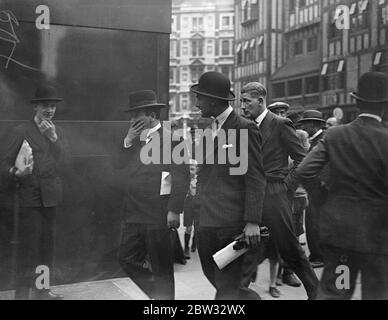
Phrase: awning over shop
x=299 y=66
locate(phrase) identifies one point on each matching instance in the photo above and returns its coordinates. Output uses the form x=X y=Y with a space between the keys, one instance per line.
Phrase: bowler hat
x=142 y=99
x=312 y=115
x=215 y=85
x=278 y=105
x=46 y=93
x=372 y=87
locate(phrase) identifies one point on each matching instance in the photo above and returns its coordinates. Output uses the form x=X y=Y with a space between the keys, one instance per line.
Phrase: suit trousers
x=36 y=237
x=227 y=281
x=312 y=230
x=146 y=256
x=277 y=216
x=338 y=283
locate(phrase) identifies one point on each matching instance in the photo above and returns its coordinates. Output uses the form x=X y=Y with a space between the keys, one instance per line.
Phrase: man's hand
x=48 y=128
x=134 y=131
x=252 y=235
x=173 y=220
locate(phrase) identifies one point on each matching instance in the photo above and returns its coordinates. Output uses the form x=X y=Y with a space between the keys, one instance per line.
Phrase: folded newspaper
x=227 y=255
x=24 y=157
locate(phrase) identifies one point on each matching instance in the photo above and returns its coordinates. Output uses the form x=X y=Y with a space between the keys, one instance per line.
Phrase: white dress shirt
x=261 y=117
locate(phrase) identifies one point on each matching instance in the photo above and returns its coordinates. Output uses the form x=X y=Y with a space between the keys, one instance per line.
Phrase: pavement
x=190 y=284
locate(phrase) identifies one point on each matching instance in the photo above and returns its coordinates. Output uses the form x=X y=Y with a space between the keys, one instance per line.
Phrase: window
x=196 y=72
x=360 y=16
x=239 y=54
x=226 y=21
x=312 y=44
x=333 y=75
x=279 y=90
x=197 y=48
x=225 y=48
x=225 y=71
x=171 y=75
x=295 y=87
x=312 y=85
x=298 y=47
x=197 y=23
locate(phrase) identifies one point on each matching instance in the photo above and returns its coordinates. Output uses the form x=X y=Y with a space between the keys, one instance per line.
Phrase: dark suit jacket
x=280 y=141
x=143 y=203
x=233 y=200
x=355 y=215
x=315 y=141
x=44 y=187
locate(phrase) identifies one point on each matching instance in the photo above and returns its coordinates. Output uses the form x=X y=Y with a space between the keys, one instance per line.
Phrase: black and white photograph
x=194 y=155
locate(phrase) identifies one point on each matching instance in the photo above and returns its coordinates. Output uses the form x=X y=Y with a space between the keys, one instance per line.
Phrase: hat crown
x=140 y=98
x=313 y=114
x=46 y=93
x=214 y=84
x=373 y=87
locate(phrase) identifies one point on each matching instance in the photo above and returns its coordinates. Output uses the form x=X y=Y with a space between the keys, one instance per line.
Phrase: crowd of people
x=299 y=167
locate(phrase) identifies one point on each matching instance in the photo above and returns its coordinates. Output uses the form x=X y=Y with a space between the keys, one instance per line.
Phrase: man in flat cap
x=354 y=219
x=39 y=190
x=153 y=200
x=279 y=108
x=231 y=204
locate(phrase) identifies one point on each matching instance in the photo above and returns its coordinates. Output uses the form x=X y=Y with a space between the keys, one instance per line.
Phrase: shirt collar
x=261 y=117
x=369 y=115
x=154 y=129
x=316 y=134
x=221 y=118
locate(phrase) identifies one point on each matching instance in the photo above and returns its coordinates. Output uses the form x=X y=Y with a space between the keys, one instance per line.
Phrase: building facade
x=297 y=81
x=259 y=42
x=310 y=53
x=202 y=39
x=347 y=53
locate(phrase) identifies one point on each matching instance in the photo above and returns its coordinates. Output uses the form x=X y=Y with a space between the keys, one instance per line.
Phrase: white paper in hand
x=165 y=184
x=227 y=255
x=24 y=157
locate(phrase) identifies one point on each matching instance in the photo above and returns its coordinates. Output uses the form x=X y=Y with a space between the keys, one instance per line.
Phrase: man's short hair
x=255 y=88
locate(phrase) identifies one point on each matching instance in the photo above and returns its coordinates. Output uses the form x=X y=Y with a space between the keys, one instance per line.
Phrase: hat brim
x=311 y=119
x=48 y=99
x=145 y=106
x=195 y=87
x=357 y=97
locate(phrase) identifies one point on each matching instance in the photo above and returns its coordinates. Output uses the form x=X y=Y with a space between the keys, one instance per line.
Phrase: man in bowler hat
x=39 y=191
x=230 y=205
x=313 y=123
x=153 y=200
x=354 y=219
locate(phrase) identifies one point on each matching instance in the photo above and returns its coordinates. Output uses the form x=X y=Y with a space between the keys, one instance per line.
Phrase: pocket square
x=227 y=146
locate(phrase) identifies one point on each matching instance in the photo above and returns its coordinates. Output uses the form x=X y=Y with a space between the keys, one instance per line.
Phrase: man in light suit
x=354 y=219
x=231 y=204
x=150 y=211
x=39 y=189
x=280 y=142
